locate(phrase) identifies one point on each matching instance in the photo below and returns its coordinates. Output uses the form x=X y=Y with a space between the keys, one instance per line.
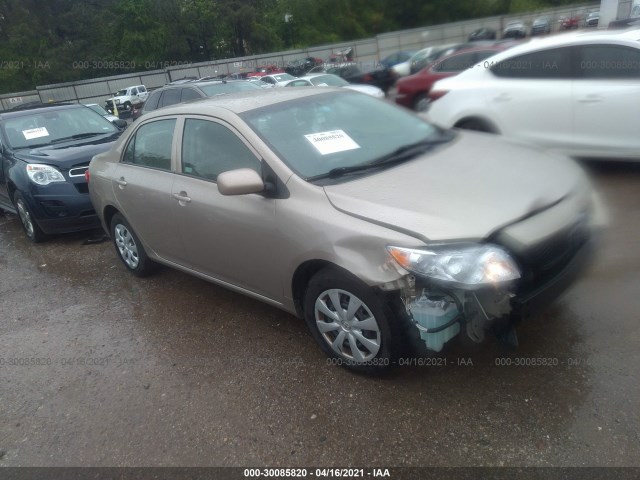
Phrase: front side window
x=209 y=148
x=152 y=101
x=551 y=64
x=150 y=146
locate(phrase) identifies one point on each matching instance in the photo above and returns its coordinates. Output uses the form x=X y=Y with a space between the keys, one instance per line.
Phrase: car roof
x=572 y=38
x=240 y=102
x=316 y=75
x=29 y=110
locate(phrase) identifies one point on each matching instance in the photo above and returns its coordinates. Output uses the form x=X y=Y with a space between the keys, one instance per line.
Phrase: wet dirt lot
x=98 y=367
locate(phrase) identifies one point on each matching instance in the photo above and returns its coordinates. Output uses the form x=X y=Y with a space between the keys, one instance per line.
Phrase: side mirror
x=240 y=182
x=118 y=122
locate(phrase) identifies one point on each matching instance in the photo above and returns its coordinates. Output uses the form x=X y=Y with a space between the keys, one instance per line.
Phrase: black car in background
x=45 y=152
x=172 y=94
x=298 y=68
x=483 y=33
x=383 y=78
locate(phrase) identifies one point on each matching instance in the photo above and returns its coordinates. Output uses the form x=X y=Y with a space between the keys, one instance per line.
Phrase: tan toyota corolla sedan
x=386 y=234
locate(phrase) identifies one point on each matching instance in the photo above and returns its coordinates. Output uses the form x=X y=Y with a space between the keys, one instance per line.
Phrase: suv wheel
x=348 y=321
x=129 y=247
x=31 y=228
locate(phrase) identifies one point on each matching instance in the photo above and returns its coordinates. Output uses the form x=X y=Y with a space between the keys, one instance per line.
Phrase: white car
x=330 y=80
x=128 y=97
x=576 y=93
x=277 y=79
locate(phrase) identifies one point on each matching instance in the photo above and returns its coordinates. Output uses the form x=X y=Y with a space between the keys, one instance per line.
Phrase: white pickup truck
x=128 y=97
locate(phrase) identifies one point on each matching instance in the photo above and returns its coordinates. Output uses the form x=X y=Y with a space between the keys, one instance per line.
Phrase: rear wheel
x=129 y=247
x=31 y=228
x=348 y=321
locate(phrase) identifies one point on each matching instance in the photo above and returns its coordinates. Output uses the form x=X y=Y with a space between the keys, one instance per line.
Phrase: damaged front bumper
x=439 y=313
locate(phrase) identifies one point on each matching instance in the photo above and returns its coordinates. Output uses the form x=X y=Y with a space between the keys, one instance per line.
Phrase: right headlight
x=44 y=174
x=465 y=265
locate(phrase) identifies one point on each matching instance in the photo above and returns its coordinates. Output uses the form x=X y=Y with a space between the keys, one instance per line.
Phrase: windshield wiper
x=400 y=155
x=78 y=136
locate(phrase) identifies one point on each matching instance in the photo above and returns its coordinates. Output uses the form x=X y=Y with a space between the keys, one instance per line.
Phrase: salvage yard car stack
x=379 y=229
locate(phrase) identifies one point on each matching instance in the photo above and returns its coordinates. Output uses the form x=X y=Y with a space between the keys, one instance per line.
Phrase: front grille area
x=546 y=259
x=78 y=171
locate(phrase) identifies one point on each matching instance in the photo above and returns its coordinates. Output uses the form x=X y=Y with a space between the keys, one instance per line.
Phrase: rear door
x=606 y=100
x=142 y=186
x=530 y=97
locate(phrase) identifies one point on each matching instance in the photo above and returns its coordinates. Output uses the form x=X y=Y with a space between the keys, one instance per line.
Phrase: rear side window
x=151 y=145
x=170 y=97
x=189 y=94
x=608 y=62
x=456 y=63
x=209 y=148
x=549 y=64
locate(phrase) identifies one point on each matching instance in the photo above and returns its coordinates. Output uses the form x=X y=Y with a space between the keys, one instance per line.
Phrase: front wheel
x=31 y=228
x=348 y=321
x=129 y=247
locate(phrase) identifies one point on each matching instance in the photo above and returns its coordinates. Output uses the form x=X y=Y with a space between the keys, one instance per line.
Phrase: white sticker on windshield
x=332 y=142
x=35 y=133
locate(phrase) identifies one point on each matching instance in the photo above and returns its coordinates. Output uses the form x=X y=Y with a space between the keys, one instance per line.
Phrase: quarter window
x=151 y=145
x=209 y=148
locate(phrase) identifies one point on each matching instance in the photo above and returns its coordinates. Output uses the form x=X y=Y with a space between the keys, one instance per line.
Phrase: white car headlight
x=44 y=174
x=466 y=265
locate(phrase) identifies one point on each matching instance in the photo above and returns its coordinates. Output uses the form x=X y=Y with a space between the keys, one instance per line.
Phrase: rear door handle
x=121 y=182
x=182 y=197
x=503 y=97
x=594 y=98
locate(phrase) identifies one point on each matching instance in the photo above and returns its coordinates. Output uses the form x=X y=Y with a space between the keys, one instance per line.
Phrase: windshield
x=50 y=127
x=317 y=134
x=228 y=87
x=328 y=81
x=121 y=93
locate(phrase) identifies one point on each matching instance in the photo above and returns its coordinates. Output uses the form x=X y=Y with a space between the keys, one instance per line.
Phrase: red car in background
x=413 y=90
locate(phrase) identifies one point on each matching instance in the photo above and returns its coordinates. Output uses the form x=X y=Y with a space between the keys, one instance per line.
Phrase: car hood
x=66 y=155
x=466 y=189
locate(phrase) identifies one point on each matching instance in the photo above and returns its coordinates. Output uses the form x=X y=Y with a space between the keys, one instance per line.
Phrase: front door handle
x=121 y=183
x=182 y=197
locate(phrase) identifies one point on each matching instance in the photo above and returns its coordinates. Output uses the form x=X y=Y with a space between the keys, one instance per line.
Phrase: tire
x=475 y=125
x=29 y=224
x=127 y=106
x=345 y=338
x=129 y=248
x=421 y=103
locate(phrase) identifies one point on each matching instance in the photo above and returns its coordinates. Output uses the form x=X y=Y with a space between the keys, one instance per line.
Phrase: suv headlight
x=44 y=174
x=466 y=265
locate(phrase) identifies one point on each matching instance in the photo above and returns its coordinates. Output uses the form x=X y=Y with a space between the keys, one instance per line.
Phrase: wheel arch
x=477 y=119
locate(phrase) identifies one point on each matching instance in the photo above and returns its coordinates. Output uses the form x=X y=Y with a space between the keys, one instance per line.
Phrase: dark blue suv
x=45 y=153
